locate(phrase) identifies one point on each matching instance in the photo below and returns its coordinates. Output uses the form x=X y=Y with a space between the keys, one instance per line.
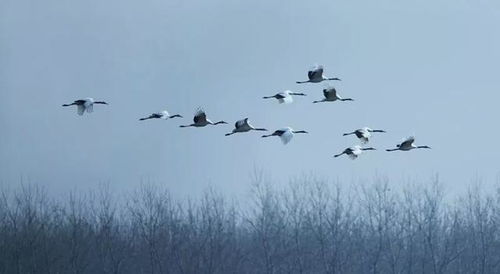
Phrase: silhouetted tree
x=310 y=226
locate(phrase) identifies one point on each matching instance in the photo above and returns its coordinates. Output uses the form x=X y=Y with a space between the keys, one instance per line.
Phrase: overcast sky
x=428 y=68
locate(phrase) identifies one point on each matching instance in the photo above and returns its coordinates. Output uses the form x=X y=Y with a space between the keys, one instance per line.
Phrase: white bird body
x=200 y=120
x=164 y=115
x=364 y=133
x=407 y=145
x=84 y=105
x=87 y=106
x=315 y=75
x=331 y=95
x=286 y=134
x=284 y=97
x=243 y=126
x=354 y=151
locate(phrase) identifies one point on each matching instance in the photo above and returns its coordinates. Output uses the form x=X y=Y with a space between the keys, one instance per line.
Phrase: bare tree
x=152 y=213
x=310 y=226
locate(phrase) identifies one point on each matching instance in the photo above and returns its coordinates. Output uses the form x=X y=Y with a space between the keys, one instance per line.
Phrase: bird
x=407 y=145
x=331 y=95
x=354 y=151
x=364 y=133
x=315 y=75
x=200 y=120
x=243 y=126
x=285 y=96
x=83 y=105
x=161 y=115
x=285 y=134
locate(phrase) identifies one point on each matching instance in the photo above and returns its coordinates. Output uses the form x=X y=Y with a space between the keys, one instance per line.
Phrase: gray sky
x=428 y=68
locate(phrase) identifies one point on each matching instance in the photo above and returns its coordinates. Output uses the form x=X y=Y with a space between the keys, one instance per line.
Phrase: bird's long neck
x=350 y=133
x=334 y=79
x=175 y=115
x=145 y=118
x=230 y=133
x=376 y=130
x=298 y=94
x=347 y=99
x=422 y=147
x=218 y=123
x=302 y=82
x=67 y=105
x=337 y=155
x=268 y=97
x=191 y=125
x=321 y=101
x=299 y=131
x=368 y=148
x=100 y=102
x=393 y=149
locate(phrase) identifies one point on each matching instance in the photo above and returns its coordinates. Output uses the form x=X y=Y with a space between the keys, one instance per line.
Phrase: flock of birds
x=286 y=134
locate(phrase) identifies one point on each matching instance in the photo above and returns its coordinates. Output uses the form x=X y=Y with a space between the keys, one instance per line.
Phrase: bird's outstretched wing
x=330 y=92
x=315 y=72
x=280 y=95
x=155 y=115
x=241 y=123
x=200 y=116
x=408 y=142
x=310 y=74
x=80 y=109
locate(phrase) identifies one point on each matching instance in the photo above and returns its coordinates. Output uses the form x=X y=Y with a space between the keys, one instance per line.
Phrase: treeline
x=308 y=227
